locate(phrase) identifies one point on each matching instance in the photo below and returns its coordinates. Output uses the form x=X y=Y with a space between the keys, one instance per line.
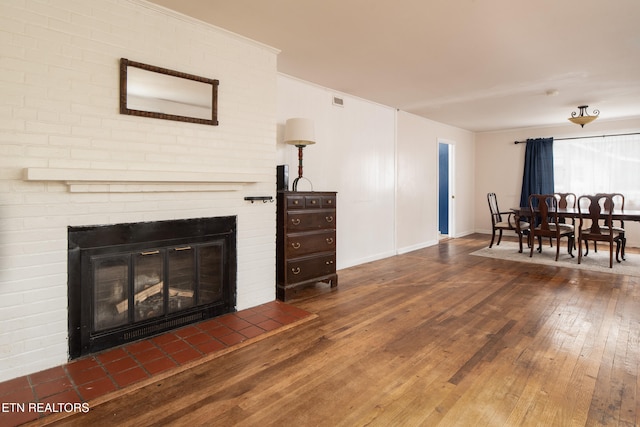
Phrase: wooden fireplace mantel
x=139 y=181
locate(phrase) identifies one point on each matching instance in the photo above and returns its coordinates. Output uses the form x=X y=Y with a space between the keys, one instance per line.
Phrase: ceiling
x=481 y=65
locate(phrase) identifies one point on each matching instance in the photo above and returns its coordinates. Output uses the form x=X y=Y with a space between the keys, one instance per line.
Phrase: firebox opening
x=131 y=281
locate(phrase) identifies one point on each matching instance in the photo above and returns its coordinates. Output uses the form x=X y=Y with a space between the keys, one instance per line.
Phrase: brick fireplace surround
x=91 y=379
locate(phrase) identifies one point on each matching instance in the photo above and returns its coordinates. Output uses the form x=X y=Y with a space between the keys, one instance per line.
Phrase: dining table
x=616 y=214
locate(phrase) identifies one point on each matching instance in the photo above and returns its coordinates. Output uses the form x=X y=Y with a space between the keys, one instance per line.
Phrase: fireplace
x=131 y=281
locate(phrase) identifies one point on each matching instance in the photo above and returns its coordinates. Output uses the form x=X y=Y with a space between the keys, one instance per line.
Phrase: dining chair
x=504 y=221
x=617 y=202
x=596 y=224
x=545 y=223
x=567 y=200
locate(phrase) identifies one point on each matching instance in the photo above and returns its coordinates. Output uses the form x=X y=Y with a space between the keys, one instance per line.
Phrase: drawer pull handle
x=313 y=202
x=329 y=202
x=295 y=270
x=295 y=245
x=149 y=253
x=329 y=240
x=329 y=262
x=184 y=248
x=295 y=221
x=328 y=218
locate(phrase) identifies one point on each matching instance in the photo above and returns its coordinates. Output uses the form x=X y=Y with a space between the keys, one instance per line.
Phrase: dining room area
x=577 y=201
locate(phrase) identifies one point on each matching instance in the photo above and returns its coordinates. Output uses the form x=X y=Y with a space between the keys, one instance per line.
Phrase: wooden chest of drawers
x=306 y=241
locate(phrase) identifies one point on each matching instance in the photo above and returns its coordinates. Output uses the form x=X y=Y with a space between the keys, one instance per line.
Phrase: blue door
x=443 y=188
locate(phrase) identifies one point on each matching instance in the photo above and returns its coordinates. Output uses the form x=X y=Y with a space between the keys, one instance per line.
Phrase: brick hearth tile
x=12 y=385
x=208 y=324
x=295 y=311
x=233 y=322
x=186 y=355
x=159 y=365
x=88 y=375
x=269 y=325
x=129 y=377
x=198 y=338
x=252 y=331
x=96 y=388
x=121 y=365
x=232 y=338
x=17 y=416
x=69 y=396
x=82 y=365
x=187 y=331
x=139 y=346
x=174 y=346
x=256 y=318
x=165 y=338
x=284 y=318
x=220 y=331
x=111 y=355
x=210 y=346
x=48 y=375
x=149 y=355
x=50 y=388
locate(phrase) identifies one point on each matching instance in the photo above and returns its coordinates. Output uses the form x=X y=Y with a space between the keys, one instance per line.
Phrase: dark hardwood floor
x=433 y=337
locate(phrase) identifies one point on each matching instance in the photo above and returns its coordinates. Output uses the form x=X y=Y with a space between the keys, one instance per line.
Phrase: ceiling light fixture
x=582 y=117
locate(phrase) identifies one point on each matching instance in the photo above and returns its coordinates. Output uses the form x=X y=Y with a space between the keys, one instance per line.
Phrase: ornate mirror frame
x=185 y=97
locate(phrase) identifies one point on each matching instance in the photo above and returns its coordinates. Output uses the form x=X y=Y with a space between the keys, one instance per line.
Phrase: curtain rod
x=583 y=137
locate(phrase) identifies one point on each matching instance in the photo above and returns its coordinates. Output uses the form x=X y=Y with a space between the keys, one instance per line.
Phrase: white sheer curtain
x=608 y=164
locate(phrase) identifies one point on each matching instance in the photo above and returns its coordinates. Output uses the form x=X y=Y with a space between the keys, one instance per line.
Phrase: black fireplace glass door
x=211 y=260
x=111 y=291
x=148 y=285
x=181 y=272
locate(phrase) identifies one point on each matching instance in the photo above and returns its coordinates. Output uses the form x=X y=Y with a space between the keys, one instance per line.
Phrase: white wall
x=59 y=87
x=354 y=155
x=500 y=165
x=417 y=182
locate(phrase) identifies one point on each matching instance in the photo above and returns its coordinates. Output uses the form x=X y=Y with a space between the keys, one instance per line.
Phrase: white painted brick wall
x=59 y=83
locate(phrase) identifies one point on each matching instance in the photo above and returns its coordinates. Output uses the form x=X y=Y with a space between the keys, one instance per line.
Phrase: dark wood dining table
x=617 y=214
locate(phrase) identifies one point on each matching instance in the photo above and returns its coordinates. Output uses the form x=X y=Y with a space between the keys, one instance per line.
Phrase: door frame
x=451 y=176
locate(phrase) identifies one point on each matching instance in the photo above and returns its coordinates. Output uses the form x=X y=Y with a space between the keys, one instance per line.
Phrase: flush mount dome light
x=582 y=117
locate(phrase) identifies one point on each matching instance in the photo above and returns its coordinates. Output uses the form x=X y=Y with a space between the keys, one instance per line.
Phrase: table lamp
x=299 y=132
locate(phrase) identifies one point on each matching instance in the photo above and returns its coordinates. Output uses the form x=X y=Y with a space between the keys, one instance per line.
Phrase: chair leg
x=579 y=251
x=493 y=237
x=571 y=245
x=499 y=237
x=611 y=255
x=557 y=247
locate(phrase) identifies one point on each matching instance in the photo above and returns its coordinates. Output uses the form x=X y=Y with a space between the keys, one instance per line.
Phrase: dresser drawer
x=299 y=244
x=300 y=221
x=310 y=267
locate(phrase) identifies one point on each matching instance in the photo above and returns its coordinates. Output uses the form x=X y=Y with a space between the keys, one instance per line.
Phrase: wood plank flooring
x=435 y=337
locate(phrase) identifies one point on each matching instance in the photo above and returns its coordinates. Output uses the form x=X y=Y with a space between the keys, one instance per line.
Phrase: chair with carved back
x=616 y=202
x=567 y=200
x=504 y=221
x=545 y=223
x=596 y=225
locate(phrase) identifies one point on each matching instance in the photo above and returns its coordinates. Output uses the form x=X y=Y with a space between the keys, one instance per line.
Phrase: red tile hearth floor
x=75 y=386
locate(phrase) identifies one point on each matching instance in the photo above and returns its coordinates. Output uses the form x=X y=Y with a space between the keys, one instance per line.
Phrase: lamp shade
x=299 y=131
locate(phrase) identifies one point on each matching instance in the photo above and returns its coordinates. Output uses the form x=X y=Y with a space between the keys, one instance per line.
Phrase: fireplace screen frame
x=90 y=244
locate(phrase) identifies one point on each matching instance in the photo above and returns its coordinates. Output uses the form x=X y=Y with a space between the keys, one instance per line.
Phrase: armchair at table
x=596 y=224
x=509 y=222
x=545 y=223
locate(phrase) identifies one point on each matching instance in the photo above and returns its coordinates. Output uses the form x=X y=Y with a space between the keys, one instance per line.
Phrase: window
x=599 y=165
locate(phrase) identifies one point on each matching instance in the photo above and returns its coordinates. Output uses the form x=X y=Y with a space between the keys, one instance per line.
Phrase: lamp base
x=294 y=186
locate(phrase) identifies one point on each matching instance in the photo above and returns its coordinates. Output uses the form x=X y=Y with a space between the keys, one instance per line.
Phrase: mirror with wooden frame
x=150 y=91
